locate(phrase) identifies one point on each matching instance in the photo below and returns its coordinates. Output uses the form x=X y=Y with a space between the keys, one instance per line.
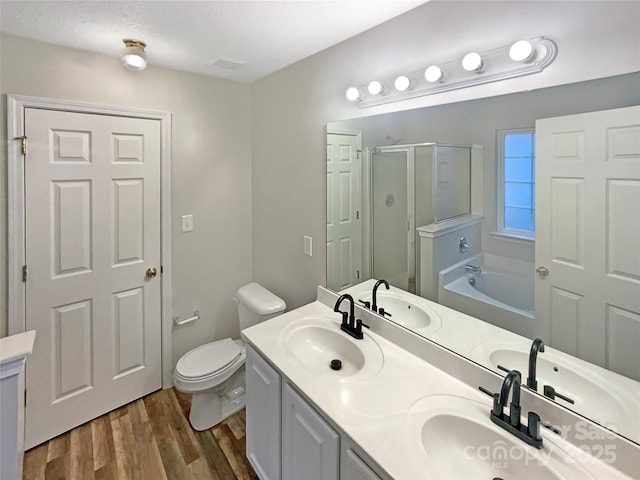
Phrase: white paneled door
x=588 y=236
x=344 y=249
x=92 y=199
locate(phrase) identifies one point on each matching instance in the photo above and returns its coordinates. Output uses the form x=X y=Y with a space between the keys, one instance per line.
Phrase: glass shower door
x=390 y=239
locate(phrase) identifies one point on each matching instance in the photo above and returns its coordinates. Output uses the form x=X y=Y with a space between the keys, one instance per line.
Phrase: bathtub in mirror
x=507 y=266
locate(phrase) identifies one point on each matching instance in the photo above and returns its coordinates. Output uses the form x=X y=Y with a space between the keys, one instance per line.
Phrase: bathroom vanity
x=14 y=351
x=396 y=407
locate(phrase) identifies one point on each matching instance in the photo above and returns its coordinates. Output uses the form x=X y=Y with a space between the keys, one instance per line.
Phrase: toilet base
x=212 y=406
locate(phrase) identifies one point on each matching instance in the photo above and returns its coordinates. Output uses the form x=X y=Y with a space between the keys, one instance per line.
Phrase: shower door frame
x=412 y=254
x=411 y=243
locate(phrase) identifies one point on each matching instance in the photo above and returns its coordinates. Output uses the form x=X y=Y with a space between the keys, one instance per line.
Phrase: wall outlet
x=308 y=245
x=187 y=223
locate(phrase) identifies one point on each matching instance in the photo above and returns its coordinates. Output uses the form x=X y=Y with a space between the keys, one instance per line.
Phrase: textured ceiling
x=264 y=36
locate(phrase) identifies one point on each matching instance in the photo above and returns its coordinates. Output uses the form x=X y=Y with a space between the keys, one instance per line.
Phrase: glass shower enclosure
x=413 y=186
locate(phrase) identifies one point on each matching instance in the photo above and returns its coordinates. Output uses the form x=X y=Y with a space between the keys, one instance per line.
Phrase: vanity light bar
x=524 y=57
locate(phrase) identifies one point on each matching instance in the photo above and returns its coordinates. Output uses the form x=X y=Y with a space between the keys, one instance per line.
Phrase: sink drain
x=336 y=364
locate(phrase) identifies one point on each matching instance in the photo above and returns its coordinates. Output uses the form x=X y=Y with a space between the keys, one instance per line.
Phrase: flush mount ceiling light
x=524 y=57
x=472 y=62
x=402 y=83
x=353 y=94
x=133 y=55
x=433 y=74
x=375 y=88
x=522 y=51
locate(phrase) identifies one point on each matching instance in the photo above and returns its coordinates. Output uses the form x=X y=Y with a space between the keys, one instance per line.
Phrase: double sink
x=451 y=435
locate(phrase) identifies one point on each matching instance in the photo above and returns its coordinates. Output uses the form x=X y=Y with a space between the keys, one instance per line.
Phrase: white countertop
x=476 y=340
x=14 y=349
x=375 y=411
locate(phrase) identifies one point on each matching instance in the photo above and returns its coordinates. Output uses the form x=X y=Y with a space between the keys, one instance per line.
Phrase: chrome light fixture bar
x=524 y=57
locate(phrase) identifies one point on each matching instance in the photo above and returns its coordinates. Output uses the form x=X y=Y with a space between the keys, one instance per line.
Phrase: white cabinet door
x=311 y=447
x=263 y=416
x=354 y=468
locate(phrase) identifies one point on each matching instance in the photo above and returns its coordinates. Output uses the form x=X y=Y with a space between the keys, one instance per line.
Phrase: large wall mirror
x=502 y=208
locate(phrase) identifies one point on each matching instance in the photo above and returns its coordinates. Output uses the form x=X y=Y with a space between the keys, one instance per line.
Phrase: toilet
x=214 y=372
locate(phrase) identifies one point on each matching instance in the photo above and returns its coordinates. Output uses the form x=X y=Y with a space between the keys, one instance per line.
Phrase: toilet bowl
x=214 y=372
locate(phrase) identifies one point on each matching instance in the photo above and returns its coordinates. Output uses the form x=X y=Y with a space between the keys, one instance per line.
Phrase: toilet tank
x=257 y=304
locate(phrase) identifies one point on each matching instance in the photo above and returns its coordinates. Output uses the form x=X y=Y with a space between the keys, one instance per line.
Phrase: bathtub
x=503 y=294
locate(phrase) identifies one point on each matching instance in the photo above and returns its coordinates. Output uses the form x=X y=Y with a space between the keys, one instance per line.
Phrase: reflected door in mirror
x=344 y=235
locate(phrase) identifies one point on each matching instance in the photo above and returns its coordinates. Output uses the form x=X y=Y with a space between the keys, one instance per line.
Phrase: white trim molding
x=16 y=105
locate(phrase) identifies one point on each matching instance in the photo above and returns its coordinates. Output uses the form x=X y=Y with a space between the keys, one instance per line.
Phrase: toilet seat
x=209 y=365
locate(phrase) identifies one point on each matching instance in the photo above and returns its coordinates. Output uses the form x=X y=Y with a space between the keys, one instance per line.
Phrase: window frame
x=509 y=233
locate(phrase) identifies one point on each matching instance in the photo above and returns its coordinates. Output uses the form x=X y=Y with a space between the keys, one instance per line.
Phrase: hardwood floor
x=149 y=439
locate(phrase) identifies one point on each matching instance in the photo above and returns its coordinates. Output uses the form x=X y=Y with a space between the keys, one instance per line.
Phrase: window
x=516 y=205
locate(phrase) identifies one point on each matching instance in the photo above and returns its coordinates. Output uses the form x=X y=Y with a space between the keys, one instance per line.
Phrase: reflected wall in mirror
x=491 y=276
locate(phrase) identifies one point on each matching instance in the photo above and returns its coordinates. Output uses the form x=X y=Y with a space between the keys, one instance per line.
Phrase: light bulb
x=522 y=51
x=133 y=55
x=375 y=88
x=433 y=74
x=472 y=62
x=353 y=94
x=402 y=83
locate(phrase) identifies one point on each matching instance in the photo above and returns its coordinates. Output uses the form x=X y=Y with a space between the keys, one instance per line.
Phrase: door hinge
x=358 y=274
x=357 y=214
x=23 y=140
x=24 y=273
x=25 y=398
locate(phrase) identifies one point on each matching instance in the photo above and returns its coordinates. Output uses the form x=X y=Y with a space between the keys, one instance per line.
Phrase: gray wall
x=211 y=174
x=292 y=106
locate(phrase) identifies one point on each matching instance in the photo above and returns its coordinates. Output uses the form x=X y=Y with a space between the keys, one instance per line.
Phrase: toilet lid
x=207 y=359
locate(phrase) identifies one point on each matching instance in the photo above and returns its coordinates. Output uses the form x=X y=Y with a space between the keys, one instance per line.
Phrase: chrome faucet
x=349 y=324
x=463 y=246
x=374 y=305
x=511 y=423
x=536 y=347
x=473 y=269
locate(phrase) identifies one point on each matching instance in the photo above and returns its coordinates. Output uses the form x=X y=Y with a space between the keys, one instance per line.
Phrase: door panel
x=71 y=219
x=587 y=235
x=310 y=446
x=92 y=186
x=344 y=248
x=73 y=351
x=264 y=410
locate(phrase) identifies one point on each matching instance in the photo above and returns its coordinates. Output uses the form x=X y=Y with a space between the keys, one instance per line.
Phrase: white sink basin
x=418 y=318
x=590 y=391
x=458 y=440
x=312 y=343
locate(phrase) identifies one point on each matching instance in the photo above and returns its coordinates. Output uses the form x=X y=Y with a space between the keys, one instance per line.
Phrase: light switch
x=308 y=245
x=187 y=223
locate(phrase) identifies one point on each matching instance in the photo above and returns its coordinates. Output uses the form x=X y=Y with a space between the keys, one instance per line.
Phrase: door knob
x=151 y=272
x=542 y=271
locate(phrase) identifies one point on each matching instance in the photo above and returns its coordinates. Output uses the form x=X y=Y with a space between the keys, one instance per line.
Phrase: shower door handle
x=542 y=271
